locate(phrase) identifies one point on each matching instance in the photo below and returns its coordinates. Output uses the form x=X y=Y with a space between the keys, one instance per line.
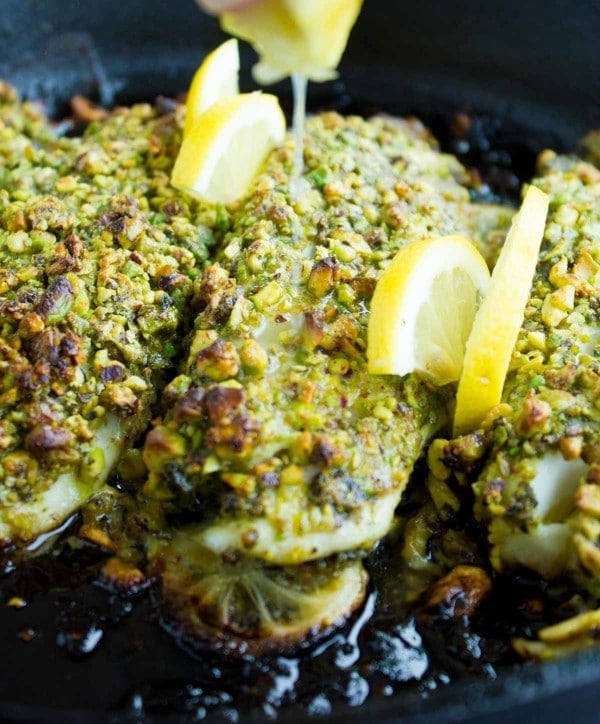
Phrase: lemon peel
x=215 y=80
x=423 y=308
x=497 y=323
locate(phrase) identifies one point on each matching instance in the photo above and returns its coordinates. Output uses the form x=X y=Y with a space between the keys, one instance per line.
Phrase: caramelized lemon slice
x=227 y=145
x=497 y=323
x=423 y=309
x=247 y=606
x=215 y=80
x=303 y=37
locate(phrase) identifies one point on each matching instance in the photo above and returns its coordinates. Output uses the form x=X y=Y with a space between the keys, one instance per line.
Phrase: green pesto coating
x=552 y=391
x=97 y=258
x=274 y=415
x=102 y=269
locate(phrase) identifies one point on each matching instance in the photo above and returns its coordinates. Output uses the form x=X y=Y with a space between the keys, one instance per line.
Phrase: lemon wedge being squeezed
x=228 y=135
x=295 y=37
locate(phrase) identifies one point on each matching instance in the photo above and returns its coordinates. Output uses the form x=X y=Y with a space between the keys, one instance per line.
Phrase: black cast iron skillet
x=534 y=67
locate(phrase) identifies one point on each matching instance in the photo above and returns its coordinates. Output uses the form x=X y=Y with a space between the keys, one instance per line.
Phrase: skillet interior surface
x=534 y=68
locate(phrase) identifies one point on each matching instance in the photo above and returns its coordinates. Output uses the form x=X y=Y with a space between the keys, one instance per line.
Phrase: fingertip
x=216 y=7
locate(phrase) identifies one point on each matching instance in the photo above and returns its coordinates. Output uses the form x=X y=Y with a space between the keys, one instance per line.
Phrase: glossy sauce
x=112 y=651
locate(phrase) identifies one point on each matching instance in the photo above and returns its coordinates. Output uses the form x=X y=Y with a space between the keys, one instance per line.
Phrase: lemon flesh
x=215 y=80
x=303 y=37
x=224 y=150
x=496 y=326
x=423 y=309
x=245 y=606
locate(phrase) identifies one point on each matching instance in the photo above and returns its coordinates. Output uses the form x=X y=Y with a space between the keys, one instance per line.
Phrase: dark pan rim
x=466 y=700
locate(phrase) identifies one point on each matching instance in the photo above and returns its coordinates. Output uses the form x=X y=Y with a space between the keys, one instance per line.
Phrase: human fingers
x=216 y=7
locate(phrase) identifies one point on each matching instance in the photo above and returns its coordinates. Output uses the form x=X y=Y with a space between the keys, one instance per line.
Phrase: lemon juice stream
x=299 y=83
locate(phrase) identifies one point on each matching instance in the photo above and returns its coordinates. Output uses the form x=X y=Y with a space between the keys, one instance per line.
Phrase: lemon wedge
x=225 y=148
x=295 y=37
x=423 y=309
x=217 y=78
x=497 y=323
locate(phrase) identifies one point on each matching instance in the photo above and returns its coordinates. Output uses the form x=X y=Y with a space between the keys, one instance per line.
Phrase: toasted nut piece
x=85 y=110
x=122 y=576
x=462 y=590
x=97 y=537
x=571 y=447
x=534 y=414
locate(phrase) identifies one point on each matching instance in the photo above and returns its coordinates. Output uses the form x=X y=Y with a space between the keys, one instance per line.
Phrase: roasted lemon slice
x=215 y=80
x=423 y=309
x=305 y=37
x=226 y=146
x=245 y=606
x=497 y=323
